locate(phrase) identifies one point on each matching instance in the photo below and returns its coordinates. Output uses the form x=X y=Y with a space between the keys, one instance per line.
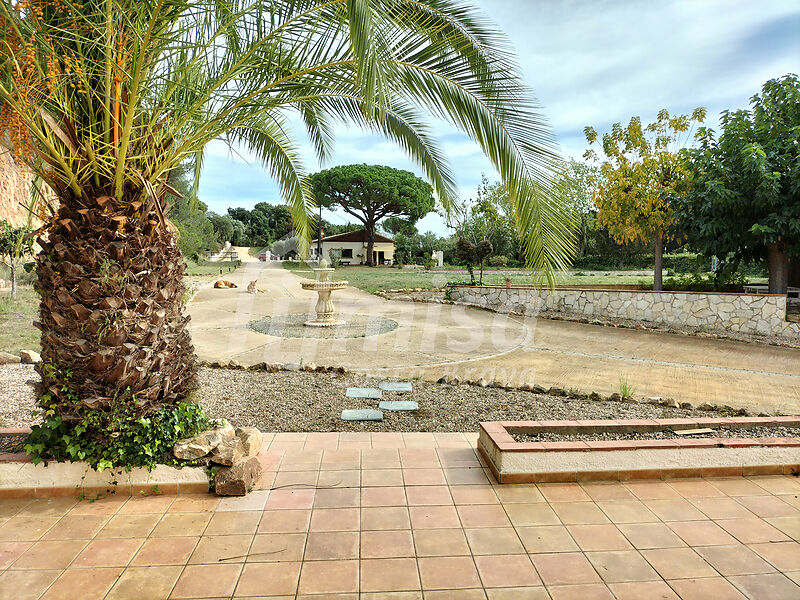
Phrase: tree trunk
x=794 y=272
x=481 y=278
x=370 y=245
x=111 y=312
x=13 y=268
x=659 y=262
x=778 y=262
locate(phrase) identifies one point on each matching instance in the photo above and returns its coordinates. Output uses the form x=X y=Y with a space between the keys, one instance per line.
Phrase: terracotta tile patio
x=410 y=516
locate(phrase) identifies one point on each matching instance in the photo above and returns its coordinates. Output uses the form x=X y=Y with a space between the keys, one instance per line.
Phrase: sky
x=588 y=62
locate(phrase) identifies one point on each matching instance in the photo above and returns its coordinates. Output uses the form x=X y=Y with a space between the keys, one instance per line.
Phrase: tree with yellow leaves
x=640 y=177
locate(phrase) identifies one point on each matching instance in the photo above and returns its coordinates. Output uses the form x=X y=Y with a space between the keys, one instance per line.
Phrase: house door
x=381 y=257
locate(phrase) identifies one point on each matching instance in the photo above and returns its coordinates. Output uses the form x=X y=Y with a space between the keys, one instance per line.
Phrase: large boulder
x=203 y=443
x=251 y=440
x=8 y=359
x=239 y=479
x=29 y=357
x=228 y=452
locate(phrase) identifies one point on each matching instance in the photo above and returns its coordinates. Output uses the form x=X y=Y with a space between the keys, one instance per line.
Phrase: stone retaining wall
x=750 y=314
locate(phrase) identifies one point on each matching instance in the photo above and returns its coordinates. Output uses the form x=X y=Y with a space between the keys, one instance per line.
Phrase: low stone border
x=528 y=462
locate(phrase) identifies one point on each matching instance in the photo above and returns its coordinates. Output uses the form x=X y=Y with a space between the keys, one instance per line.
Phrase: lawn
x=210 y=268
x=16 y=320
x=372 y=279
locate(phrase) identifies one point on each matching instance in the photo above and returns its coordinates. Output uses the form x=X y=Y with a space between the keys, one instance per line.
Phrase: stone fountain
x=324 y=288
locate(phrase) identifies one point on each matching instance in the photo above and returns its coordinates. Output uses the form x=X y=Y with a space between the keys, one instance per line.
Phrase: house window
x=347 y=253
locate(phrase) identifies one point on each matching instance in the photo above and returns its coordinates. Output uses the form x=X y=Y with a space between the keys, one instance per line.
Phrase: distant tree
x=189 y=215
x=371 y=193
x=395 y=225
x=223 y=227
x=745 y=197
x=15 y=244
x=578 y=186
x=288 y=247
x=639 y=181
x=480 y=223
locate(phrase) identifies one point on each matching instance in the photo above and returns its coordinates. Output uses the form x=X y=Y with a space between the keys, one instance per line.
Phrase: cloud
x=589 y=62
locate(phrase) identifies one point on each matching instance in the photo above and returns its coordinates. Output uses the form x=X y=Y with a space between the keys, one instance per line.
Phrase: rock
x=654 y=400
x=594 y=396
x=8 y=359
x=398 y=405
x=443 y=379
x=706 y=407
x=525 y=387
x=369 y=393
x=262 y=366
x=228 y=452
x=291 y=367
x=742 y=412
x=203 y=443
x=686 y=405
x=310 y=367
x=538 y=389
x=235 y=365
x=362 y=414
x=251 y=439
x=482 y=383
x=556 y=391
x=395 y=386
x=29 y=357
x=615 y=397
x=670 y=402
x=239 y=479
x=341 y=370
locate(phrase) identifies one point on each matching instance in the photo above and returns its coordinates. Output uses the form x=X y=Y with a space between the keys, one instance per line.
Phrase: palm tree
x=104 y=99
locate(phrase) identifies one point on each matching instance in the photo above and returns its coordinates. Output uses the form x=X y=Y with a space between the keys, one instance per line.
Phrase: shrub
x=498 y=261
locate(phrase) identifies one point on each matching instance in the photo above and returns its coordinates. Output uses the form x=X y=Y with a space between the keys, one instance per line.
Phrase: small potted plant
x=508 y=282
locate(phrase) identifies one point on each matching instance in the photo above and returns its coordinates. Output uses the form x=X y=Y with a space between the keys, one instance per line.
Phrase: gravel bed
x=739 y=432
x=300 y=401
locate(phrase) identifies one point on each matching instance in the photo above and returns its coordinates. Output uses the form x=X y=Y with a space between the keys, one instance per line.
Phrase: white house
x=353 y=245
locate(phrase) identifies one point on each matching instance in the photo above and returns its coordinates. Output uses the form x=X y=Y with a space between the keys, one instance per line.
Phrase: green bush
x=498 y=261
x=706 y=282
x=131 y=440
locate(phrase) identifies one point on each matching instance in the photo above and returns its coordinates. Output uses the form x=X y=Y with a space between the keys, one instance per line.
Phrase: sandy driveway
x=433 y=339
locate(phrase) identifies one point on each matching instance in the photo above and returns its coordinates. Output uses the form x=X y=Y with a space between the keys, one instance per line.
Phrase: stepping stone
x=371 y=393
x=395 y=386
x=362 y=414
x=398 y=405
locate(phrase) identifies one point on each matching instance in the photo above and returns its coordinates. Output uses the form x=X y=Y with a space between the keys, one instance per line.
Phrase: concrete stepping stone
x=395 y=386
x=371 y=393
x=398 y=405
x=362 y=414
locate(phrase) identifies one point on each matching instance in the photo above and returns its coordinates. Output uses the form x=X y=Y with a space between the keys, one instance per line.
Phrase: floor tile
x=448 y=573
x=607 y=491
x=564 y=568
x=651 y=490
x=675 y=509
x=736 y=486
x=694 y=488
x=25 y=529
x=330 y=545
x=56 y=554
x=579 y=513
x=165 y=551
x=284 y=521
x=494 y=540
x=389 y=575
x=473 y=476
x=387 y=544
x=25 y=585
x=194 y=503
x=523 y=515
x=474 y=494
x=433 y=517
x=627 y=511
x=788 y=525
x=440 y=542
x=701 y=533
x=590 y=591
x=768 y=506
x=277 y=547
x=137 y=583
x=381 y=478
x=752 y=531
x=268 y=579
x=784 y=556
x=92 y=583
x=207 y=581
x=48 y=507
x=385 y=517
x=108 y=553
x=722 y=508
x=677 y=563
x=383 y=496
x=518 y=593
x=430 y=495
x=76 y=527
x=221 y=549
x=482 y=515
x=641 y=590
x=707 y=588
x=147 y=504
x=335 y=519
x=773 y=586
x=776 y=484
x=254 y=500
x=547 y=539
x=734 y=560
x=511 y=570
x=651 y=535
x=337 y=498
x=129 y=525
x=518 y=494
x=11 y=551
x=290 y=499
x=231 y=523
x=598 y=537
x=621 y=566
x=182 y=524
x=423 y=477
x=563 y=492
x=328 y=577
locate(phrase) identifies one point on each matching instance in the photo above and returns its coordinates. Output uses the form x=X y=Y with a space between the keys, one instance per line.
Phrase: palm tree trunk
x=111 y=313
x=13 y=268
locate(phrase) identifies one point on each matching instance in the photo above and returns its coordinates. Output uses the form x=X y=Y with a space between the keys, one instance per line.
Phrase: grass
x=372 y=279
x=16 y=320
x=210 y=268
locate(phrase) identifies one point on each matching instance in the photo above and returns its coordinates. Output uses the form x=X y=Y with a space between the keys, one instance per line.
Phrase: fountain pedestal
x=326 y=312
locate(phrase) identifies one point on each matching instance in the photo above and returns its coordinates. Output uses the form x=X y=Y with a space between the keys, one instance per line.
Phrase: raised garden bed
x=534 y=451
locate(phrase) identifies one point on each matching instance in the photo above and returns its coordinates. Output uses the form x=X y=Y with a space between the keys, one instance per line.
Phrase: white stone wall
x=741 y=313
